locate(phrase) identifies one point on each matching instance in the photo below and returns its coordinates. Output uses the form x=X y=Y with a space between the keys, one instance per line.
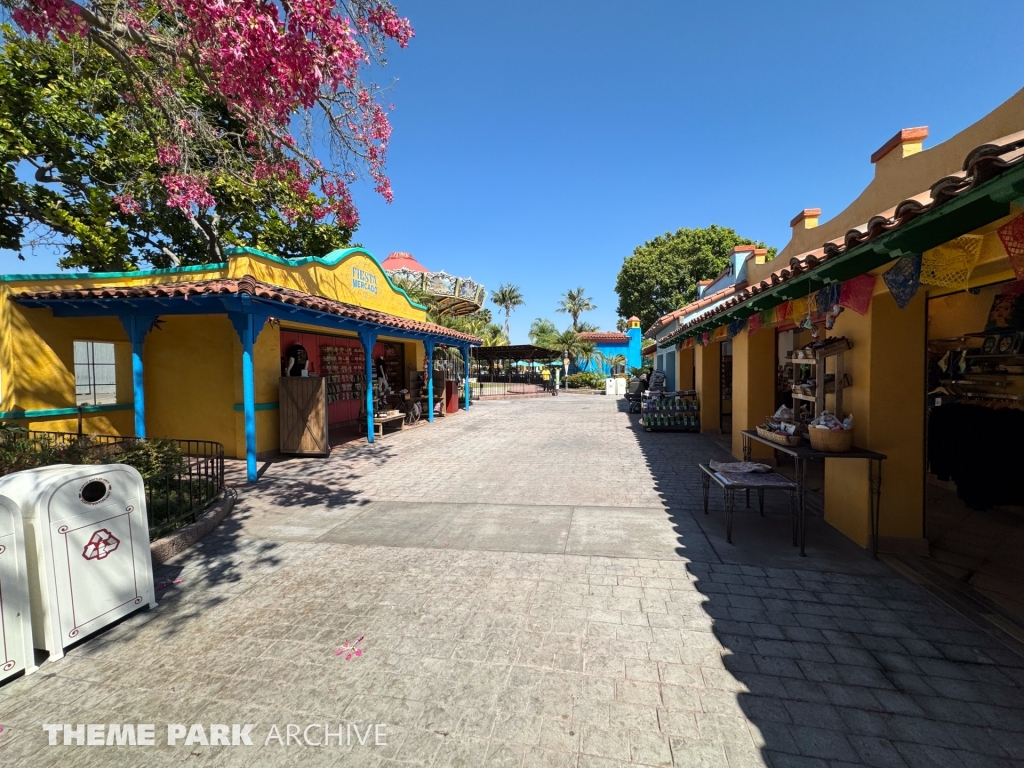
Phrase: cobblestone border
x=178 y=541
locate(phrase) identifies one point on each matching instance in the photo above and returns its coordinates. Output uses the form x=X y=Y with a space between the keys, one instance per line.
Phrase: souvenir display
x=670 y=411
x=344 y=368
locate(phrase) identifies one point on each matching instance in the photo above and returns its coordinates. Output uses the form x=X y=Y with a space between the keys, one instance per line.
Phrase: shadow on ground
x=836 y=660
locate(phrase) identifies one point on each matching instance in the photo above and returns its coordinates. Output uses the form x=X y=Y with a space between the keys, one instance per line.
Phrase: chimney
x=908 y=142
x=806 y=219
x=760 y=255
x=701 y=287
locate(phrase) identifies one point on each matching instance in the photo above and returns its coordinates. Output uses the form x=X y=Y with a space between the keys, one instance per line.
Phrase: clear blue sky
x=540 y=142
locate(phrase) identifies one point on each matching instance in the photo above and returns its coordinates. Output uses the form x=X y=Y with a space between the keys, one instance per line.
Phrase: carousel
x=453 y=296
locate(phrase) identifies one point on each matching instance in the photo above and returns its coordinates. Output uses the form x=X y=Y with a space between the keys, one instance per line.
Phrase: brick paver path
x=535 y=585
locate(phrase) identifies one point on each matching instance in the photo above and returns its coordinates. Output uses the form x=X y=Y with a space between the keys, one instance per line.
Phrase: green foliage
x=508 y=297
x=635 y=372
x=578 y=350
x=543 y=333
x=613 y=362
x=80 y=171
x=585 y=380
x=575 y=302
x=152 y=457
x=662 y=274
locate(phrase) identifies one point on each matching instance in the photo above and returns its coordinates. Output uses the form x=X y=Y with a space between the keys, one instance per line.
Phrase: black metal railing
x=181 y=477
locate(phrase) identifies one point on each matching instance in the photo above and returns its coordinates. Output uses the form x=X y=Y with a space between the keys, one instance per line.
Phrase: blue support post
x=137 y=327
x=368 y=339
x=429 y=346
x=469 y=393
x=248 y=328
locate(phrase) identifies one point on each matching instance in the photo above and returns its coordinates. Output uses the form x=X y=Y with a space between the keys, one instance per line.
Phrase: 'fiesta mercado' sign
x=363 y=280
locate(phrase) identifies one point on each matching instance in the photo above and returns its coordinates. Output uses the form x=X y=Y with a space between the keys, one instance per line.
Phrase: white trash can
x=620 y=387
x=609 y=386
x=88 y=548
x=16 y=652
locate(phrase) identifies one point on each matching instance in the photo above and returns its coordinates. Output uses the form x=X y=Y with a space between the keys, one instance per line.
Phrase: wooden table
x=731 y=482
x=380 y=421
x=803 y=453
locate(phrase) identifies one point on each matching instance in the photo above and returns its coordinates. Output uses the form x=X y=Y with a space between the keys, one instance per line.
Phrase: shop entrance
x=340 y=361
x=974 y=486
x=725 y=387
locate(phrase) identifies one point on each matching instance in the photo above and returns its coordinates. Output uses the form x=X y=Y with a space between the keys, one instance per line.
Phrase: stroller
x=635 y=393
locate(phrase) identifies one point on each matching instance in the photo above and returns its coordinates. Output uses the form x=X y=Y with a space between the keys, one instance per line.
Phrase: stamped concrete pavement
x=533 y=583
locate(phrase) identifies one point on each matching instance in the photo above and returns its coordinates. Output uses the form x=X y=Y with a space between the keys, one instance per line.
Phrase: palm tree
x=571 y=345
x=492 y=336
x=508 y=297
x=543 y=333
x=575 y=303
x=613 y=361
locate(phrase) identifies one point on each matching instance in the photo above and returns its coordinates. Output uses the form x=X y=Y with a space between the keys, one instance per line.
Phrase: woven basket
x=831 y=440
x=776 y=437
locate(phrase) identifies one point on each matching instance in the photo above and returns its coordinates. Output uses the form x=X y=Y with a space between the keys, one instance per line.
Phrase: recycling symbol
x=100 y=544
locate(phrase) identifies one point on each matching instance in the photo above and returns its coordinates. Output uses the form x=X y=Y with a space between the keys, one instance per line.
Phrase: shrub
x=585 y=380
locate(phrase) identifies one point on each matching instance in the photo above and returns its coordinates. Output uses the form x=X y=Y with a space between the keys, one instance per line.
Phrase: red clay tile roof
x=251 y=286
x=650 y=349
x=982 y=164
x=604 y=336
x=695 y=305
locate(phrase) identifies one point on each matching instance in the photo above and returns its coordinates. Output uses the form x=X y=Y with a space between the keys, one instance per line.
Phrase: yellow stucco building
x=953 y=210
x=197 y=352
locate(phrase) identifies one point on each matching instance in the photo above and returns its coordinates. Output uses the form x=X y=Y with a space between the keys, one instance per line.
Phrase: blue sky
x=540 y=142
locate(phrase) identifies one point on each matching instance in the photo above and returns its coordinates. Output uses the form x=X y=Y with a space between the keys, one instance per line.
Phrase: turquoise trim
x=50 y=413
x=259 y=407
x=330 y=260
x=109 y=275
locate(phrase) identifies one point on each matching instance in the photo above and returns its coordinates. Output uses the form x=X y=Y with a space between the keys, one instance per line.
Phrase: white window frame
x=95 y=380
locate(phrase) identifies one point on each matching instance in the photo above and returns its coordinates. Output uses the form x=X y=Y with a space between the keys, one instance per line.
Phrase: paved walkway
x=534 y=584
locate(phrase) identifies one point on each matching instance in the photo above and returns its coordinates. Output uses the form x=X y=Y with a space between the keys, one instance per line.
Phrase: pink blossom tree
x=290 y=75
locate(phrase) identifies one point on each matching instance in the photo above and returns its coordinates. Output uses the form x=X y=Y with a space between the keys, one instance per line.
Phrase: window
x=95 y=377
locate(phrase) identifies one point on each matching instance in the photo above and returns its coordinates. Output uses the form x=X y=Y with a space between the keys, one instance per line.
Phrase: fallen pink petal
x=358 y=652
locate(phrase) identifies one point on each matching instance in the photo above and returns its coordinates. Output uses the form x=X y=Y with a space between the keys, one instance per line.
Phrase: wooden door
x=303 y=408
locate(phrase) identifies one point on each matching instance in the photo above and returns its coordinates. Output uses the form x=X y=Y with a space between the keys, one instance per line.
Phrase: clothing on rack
x=980 y=447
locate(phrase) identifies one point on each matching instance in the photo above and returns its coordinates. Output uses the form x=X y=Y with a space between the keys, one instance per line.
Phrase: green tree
x=575 y=302
x=621 y=325
x=616 y=362
x=569 y=343
x=508 y=297
x=543 y=333
x=662 y=274
x=82 y=171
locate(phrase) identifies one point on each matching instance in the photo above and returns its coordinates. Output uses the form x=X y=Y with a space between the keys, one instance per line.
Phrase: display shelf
x=670 y=412
x=833 y=348
x=342 y=368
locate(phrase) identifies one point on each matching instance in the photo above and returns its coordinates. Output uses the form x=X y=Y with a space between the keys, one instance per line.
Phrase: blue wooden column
x=469 y=392
x=248 y=328
x=429 y=346
x=368 y=339
x=137 y=326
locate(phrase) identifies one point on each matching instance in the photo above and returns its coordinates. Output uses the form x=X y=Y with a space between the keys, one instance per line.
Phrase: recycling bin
x=620 y=387
x=16 y=654
x=87 y=550
x=609 y=387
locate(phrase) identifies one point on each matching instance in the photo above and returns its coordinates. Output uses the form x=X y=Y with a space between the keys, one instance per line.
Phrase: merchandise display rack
x=670 y=411
x=813 y=388
x=343 y=370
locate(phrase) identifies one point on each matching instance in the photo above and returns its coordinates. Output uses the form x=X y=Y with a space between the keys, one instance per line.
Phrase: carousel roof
x=451 y=295
x=401 y=260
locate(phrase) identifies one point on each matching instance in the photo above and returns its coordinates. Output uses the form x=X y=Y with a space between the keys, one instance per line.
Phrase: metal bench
x=748 y=481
